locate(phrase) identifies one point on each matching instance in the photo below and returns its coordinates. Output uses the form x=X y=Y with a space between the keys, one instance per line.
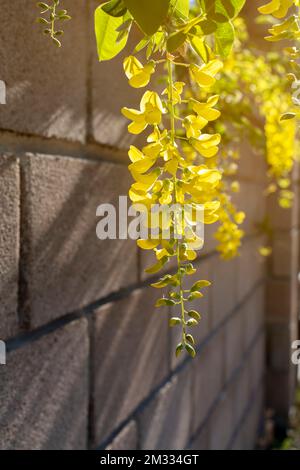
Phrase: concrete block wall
x=282 y=305
x=90 y=362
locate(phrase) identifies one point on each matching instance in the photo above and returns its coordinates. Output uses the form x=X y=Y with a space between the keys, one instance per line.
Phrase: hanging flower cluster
x=260 y=79
x=162 y=175
x=282 y=121
x=229 y=234
x=288 y=30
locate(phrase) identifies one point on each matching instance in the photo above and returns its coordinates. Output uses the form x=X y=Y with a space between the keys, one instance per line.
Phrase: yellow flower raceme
x=277 y=8
x=150 y=113
x=139 y=76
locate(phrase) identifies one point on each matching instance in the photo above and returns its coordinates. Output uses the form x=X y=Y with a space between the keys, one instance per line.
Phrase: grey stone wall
x=90 y=362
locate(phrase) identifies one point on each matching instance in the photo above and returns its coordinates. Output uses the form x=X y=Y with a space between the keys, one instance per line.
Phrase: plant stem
x=173 y=137
x=53 y=21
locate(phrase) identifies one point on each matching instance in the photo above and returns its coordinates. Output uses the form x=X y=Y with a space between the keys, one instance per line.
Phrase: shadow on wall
x=65 y=266
x=42 y=406
x=64 y=93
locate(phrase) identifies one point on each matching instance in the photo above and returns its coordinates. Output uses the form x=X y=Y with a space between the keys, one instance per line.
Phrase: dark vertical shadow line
x=23 y=294
x=91 y=407
x=90 y=421
x=139 y=265
x=89 y=77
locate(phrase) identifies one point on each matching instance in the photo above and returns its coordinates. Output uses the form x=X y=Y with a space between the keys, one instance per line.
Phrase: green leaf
x=179 y=349
x=190 y=339
x=164 y=281
x=115 y=8
x=194 y=314
x=176 y=40
x=175 y=321
x=195 y=295
x=190 y=350
x=287 y=116
x=107 y=35
x=229 y=8
x=189 y=269
x=192 y=322
x=224 y=39
x=149 y=15
x=181 y=6
x=165 y=302
x=237 y=6
x=200 y=47
x=199 y=285
x=157 y=267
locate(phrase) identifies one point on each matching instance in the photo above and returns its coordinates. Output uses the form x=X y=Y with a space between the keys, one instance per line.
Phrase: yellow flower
x=143 y=161
x=150 y=113
x=277 y=8
x=205 y=75
x=205 y=113
x=206 y=144
x=140 y=162
x=139 y=76
x=239 y=217
x=210 y=212
x=194 y=125
x=206 y=110
x=265 y=251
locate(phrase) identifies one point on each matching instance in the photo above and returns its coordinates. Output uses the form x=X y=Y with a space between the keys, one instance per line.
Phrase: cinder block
x=46 y=86
x=166 y=422
x=278 y=346
x=221 y=424
x=252 y=165
x=67 y=266
x=241 y=388
x=234 y=343
x=9 y=244
x=281 y=219
x=224 y=288
x=200 y=441
x=208 y=377
x=210 y=243
x=253 y=312
x=278 y=299
x=44 y=392
x=282 y=255
x=127 y=439
x=250 y=267
x=257 y=361
x=131 y=358
x=251 y=200
x=248 y=434
x=203 y=306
